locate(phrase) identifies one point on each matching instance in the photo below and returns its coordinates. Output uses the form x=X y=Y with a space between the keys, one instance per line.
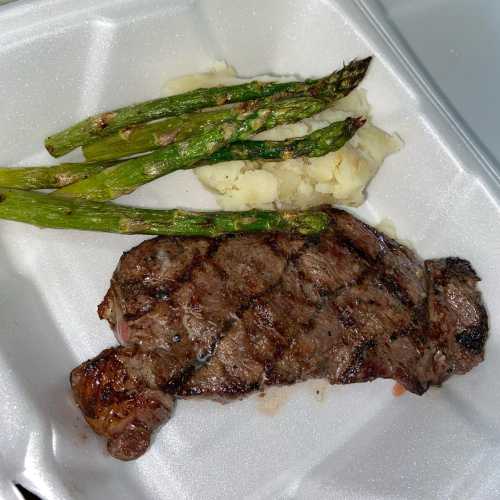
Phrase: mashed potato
x=339 y=177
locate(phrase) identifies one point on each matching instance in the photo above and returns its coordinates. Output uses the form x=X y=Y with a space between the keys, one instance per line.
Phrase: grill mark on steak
x=325 y=296
x=220 y=318
x=352 y=371
x=376 y=259
x=247 y=304
x=230 y=385
x=237 y=315
x=235 y=386
x=195 y=358
x=392 y=287
x=150 y=290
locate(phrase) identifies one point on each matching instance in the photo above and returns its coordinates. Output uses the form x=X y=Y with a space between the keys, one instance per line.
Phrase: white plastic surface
x=61 y=60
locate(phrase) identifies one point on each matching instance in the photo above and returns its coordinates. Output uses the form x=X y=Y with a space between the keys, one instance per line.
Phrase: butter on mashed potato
x=339 y=177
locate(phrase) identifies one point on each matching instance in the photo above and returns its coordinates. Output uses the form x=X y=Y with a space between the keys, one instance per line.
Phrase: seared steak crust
x=221 y=318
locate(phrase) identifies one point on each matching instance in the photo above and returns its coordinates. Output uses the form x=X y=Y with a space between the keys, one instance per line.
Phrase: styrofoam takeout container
x=62 y=60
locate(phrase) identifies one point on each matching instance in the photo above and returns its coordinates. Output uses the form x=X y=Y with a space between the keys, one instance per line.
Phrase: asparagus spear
x=54 y=176
x=318 y=143
x=149 y=136
x=45 y=211
x=334 y=86
x=129 y=175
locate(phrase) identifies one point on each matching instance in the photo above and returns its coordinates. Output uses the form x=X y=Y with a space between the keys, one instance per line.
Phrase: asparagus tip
x=358 y=121
x=359 y=66
x=363 y=63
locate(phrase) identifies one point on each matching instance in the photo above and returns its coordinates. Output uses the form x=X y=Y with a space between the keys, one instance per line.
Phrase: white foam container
x=62 y=60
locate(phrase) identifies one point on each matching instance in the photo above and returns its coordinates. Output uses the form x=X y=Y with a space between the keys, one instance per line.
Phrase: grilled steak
x=221 y=318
